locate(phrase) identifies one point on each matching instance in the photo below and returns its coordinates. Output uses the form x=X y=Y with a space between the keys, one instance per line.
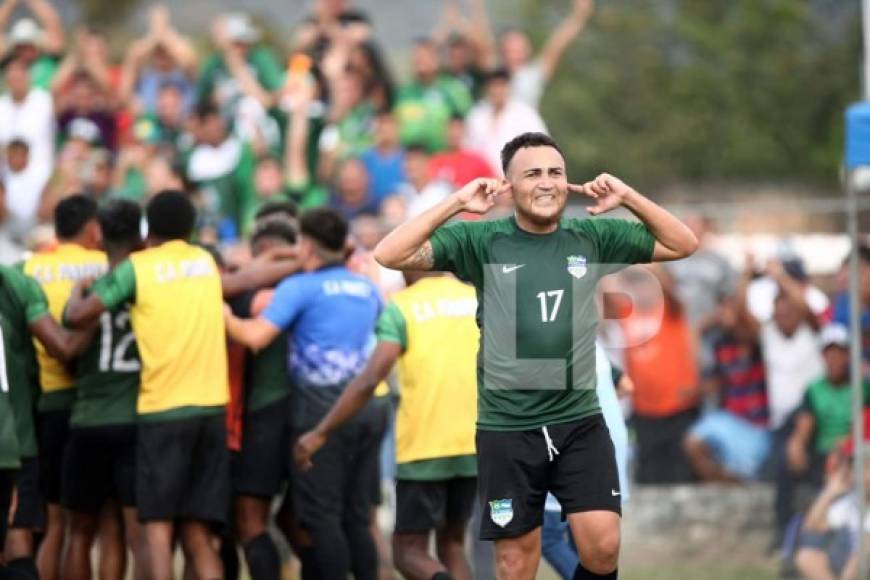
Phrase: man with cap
x=38 y=42
x=27 y=113
x=235 y=36
x=825 y=414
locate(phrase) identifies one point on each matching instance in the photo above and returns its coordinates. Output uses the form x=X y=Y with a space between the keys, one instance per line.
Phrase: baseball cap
x=239 y=28
x=834 y=335
x=84 y=129
x=25 y=31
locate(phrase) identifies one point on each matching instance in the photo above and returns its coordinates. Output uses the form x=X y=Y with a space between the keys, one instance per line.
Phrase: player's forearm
x=407 y=247
x=667 y=229
x=254 y=277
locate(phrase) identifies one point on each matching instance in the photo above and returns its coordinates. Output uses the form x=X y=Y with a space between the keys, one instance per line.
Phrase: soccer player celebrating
x=100 y=462
x=75 y=258
x=429 y=328
x=331 y=315
x=539 y=425
x=24 y=306
x=182 y=461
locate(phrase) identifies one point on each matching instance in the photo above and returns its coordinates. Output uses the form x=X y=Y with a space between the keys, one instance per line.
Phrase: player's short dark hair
x=206 y=109
x=325 y=226
x=171 y=215
x=425 y=42
x=121 y=221
x=277 y=208
x=72 y=214
x=523 y=141
x=276 y=229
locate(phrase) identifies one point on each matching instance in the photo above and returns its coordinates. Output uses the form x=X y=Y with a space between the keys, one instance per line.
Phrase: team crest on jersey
x=577 y=266
x=501 y=511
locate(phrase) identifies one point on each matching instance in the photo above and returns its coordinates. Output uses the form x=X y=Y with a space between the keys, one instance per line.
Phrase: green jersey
x=22 y=302
x=536 y=311
x=266 y=376
x=831 y=407
x=10 y=452
x=423 y=111
x=107 y=374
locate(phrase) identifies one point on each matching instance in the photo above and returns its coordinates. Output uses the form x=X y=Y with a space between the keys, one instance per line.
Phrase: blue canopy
x=858 y=135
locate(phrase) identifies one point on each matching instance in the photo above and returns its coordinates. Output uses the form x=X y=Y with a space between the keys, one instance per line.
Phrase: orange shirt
x=662 y=363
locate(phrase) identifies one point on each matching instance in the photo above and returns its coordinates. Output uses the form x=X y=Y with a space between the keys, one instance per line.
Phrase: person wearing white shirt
x=420 y=192
x=498 y=118
x=27 y=113
x=23 y=181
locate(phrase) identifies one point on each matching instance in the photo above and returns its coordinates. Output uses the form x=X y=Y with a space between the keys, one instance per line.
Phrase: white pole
x=855 y=363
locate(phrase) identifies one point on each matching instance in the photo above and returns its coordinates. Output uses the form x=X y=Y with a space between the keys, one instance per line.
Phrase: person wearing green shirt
x=24 y=310
x=260 y=467
x=425 y=105
x=10 y=455
x=824 y=417
x=100 y=462
x=223 y=167
x=235 y=32
x=539 y=425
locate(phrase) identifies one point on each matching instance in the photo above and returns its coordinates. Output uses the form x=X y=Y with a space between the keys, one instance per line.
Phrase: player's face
x=540 y=186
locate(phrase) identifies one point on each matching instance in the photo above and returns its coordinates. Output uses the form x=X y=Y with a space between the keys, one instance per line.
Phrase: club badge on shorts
x=577 y=266
x=501 y=511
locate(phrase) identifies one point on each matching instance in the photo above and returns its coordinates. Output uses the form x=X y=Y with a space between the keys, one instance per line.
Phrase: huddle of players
x=131 y=410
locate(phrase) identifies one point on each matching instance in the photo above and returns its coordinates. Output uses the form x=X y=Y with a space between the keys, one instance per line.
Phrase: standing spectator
x=467 y=42
x=167 y=125
x=425 y=105
x=235 y=32
x=385 y=161
x=368 y=61
x=499 y=118
x=733 y=442
x=420 y=192
x=331 y=21
x=25 y=182
x=352 y=196
x=86 y=102
x=764 y=289
x=530 y=75
x=39 y=48
x=792 y=360
x=458 y=165
x=27 y=113
x=825 y=414
x=163 y=57
x=223 y=167
x=662 y=365
x=842 y=309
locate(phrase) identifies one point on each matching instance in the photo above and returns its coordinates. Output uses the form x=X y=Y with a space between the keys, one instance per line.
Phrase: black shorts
x=183 y=470
x=422 y=506
x=7 y=483
x=516 y=469
x=100 y=463
x=260 y=467
x=53 y=436
x=30 y=512
x=381 y=421
x=338 y=487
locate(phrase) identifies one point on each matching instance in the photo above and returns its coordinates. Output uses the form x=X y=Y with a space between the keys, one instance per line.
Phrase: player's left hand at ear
x=608 y=190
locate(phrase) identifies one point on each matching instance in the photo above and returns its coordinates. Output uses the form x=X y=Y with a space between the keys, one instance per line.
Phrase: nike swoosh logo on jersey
x=509 y=269
x=614 y=492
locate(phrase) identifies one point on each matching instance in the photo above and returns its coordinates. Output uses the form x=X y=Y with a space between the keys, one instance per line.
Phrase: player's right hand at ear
x=478 y=195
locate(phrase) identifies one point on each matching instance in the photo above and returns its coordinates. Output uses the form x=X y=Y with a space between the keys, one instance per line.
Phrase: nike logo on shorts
x=509 y=269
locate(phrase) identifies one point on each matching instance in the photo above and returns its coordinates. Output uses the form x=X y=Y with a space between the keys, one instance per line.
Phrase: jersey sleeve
x=455 y=249
x=287 y=302
x=29 y=294
x=621 y=241
x=116 y=287
x=391 y=326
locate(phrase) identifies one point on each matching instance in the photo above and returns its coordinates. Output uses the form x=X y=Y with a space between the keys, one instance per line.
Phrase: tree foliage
x=690 y=90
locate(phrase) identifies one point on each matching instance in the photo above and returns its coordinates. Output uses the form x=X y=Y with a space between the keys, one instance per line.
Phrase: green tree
x=692 y=90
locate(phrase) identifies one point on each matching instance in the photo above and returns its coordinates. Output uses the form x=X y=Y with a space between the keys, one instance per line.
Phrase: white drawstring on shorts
x=551 y=448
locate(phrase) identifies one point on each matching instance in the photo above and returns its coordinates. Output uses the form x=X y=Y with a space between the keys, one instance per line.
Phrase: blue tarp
x=858 y=135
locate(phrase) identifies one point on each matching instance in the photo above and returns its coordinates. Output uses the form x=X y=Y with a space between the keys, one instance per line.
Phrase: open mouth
x=545 y=198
